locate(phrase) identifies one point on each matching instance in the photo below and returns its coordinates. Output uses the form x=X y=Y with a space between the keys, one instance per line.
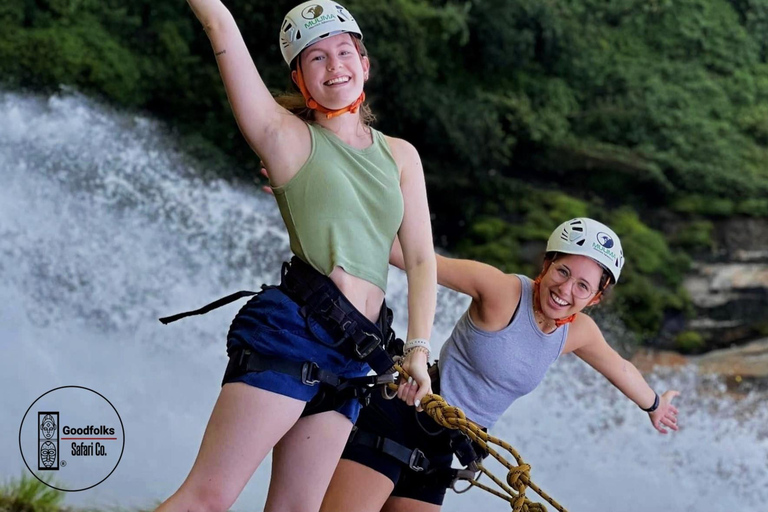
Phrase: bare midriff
x=364 y=295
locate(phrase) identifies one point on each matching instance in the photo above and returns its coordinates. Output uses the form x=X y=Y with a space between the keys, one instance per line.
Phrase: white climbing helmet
x=587 y=237
x=311 y=21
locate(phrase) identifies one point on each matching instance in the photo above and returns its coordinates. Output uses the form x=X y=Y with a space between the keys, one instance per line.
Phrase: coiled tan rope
x=518 y=476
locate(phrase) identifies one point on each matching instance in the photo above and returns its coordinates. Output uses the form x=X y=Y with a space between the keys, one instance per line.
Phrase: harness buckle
x=364 y=349
x=417 y=460
x=325 y=305
x=386 y=378
x=243 y=354
x=309 y=373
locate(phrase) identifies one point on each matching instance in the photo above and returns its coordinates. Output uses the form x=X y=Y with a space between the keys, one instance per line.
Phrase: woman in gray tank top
x=500 y=349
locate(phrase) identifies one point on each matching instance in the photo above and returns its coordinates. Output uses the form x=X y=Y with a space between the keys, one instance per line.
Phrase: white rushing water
x=105 y=226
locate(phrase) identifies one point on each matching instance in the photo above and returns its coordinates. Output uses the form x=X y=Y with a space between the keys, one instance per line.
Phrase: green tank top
x=344 y=206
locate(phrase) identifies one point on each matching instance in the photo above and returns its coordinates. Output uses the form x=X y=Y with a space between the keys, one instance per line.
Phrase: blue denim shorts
x=271 y=324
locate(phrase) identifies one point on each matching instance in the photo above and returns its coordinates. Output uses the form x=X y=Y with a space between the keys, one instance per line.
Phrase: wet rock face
x=744 y=368
x=729 y=288
x=743 y=240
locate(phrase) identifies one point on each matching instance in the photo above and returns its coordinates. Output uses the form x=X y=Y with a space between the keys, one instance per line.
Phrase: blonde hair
x=295 y=103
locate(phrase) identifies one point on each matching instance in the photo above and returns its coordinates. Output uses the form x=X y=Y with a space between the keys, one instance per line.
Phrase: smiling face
x=570 y=285
x=334 y=72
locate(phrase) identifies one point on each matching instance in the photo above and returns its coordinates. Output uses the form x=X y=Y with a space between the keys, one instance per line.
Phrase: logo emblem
x=605 y=240
x=312 y=12
x=48 y=441
x=73 y=430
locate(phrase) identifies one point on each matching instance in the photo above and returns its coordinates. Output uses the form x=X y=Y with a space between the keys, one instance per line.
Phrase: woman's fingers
x=403 y=388
x=669 y=422
x=407 y=391
x=425 y=386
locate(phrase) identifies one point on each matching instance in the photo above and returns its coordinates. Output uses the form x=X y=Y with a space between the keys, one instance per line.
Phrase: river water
x=105 y=225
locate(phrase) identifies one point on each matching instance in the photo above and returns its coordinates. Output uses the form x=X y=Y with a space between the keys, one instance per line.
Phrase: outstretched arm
x=492 y=297
x=270 y=130
x=586 y=341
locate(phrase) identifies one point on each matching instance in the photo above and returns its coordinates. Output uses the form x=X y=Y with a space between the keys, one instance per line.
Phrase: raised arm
x=280 y=138
x=587 y=342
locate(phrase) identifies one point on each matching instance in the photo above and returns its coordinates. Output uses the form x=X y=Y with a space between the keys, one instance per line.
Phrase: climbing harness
x=334 y=391
x=468 y=453
x=518 y=477
x=358 y=338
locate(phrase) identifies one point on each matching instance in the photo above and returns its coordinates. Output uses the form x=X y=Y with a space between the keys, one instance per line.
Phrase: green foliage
x=28 y=494
x=519 y=217
x=628 y=103
x=671 y=95
x=652 y=277
x=690 y=342
x=694 y=235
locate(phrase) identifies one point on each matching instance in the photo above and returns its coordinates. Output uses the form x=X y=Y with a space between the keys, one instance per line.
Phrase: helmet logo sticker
x=312 y=12
x=605 y=240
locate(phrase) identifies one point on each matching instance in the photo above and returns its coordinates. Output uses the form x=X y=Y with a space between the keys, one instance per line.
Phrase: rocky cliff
x=729 y=284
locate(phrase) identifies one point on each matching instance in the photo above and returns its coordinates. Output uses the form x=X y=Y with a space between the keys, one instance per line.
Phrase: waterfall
x=106 y=224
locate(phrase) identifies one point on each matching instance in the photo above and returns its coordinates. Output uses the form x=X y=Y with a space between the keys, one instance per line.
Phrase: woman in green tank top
x=345 y=192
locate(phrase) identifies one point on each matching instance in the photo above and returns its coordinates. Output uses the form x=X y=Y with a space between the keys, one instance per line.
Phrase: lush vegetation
x=526 y=112
x=28 y=494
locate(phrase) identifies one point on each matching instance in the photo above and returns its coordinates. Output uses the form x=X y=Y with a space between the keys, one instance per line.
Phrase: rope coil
x=518 y=476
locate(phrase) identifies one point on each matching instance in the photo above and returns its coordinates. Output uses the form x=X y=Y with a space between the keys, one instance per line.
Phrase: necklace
x=541 y=320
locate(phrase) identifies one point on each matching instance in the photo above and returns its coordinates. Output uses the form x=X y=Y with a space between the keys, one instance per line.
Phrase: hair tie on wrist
x=655 y=404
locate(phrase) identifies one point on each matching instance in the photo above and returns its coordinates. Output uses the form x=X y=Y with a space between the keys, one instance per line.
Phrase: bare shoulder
x=582 y=331
x=497 y=300
x=400 y=147
x=405 y=154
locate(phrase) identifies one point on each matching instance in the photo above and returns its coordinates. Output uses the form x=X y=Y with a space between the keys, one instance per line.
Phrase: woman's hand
x=666 y=414
x=418 y=384
x=265 y=188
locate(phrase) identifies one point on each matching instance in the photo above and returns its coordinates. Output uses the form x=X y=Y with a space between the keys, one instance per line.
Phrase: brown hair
x=295 y=103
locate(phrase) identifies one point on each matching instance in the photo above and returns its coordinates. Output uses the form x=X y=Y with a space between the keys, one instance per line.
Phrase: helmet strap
x=314 y=105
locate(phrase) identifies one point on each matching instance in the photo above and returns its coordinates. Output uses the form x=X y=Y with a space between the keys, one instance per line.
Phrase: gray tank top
x=483 y=372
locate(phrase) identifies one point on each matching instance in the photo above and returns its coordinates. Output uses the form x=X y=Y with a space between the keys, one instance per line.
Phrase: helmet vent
x=581 y=242
x=298 y=35
x=288 y=26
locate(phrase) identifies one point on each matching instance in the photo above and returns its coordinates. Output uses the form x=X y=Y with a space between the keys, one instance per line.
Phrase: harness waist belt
x=244 y=360
x=318 y=296
x=360 y=338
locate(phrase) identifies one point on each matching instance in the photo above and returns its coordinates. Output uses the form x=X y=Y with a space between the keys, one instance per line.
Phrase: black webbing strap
x=245 y=360
x=338 y=316
x=411 y=457
x=318 y=295
x=210 y=307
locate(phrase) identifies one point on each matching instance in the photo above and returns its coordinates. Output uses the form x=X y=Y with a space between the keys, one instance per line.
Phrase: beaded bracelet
x=423 y=349
x=416 y=342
